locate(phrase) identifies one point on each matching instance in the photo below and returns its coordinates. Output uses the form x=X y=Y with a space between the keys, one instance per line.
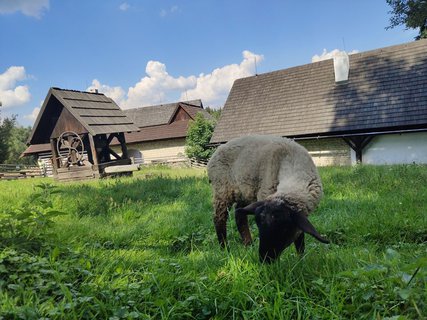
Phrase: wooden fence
x=19 y=171
x=194 y=163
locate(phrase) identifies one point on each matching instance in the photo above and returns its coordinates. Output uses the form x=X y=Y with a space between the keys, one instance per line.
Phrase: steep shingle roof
x=97 y=112
x=387 y=88
x=94 y=112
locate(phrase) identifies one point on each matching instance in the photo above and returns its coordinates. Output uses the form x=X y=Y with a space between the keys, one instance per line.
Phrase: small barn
x=79 y=128
x=368 y=107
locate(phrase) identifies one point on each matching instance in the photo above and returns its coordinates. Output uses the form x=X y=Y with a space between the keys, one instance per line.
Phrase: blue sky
x=151 y=52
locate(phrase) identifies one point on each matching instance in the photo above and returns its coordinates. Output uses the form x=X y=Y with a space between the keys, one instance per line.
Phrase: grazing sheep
x=272 y=178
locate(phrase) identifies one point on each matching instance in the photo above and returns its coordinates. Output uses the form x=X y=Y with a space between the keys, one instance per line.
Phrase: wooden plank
x=104 y=165
x=103 y=120
x=123 y=168
x=75 y=169
x=74 y=175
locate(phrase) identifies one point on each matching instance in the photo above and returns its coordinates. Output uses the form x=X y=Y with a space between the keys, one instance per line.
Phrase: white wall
x=396 y=149
x=328 y=152
x=172 y=150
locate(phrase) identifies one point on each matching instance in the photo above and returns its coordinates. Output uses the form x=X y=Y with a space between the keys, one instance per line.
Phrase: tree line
x=13 y=141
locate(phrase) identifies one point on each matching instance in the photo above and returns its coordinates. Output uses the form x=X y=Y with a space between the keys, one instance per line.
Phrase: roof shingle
x=386 y=89
x=95 y=112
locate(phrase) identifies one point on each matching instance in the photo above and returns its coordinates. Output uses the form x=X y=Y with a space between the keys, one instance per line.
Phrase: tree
x=411 y=13
x=199 y=134
x=17 y=144
x=6 y=127
x=13 y=139
x=215 y=113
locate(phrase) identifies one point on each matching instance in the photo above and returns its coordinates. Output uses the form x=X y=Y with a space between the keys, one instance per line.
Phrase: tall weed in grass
x=145 y=247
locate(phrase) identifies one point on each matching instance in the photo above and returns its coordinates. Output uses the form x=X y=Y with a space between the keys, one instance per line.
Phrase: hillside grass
x=145 y=247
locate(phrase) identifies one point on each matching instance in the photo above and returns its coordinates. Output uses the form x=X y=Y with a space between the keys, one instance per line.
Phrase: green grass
x=145 y=247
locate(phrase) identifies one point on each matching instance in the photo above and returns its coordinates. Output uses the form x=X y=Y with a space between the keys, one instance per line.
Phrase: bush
x=198 y=137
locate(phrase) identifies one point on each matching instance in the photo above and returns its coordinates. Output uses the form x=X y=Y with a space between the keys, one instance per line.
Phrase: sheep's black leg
x=299 y=243
x=243 y=226
x=220 y=221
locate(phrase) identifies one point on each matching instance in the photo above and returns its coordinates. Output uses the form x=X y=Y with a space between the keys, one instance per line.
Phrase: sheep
x=273 y=178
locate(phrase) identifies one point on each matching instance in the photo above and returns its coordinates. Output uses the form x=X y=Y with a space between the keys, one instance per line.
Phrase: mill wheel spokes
x=70 y=147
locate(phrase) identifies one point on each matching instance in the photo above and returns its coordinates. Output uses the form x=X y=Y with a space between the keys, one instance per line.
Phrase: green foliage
x=215 y=113
x=28 y=225
x=198 y=136
x=17 y=144
x=13 y=139
x=6 y=127
x=145 y=248
x=411 y=13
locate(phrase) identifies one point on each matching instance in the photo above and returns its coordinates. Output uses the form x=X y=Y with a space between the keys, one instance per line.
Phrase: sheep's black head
x=279 y=225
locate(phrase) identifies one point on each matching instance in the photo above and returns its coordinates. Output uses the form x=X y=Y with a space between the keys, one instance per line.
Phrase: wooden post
x=358 y=143
x=55 y=156
x=104 y=155
x=93 y=150
x=121 y=137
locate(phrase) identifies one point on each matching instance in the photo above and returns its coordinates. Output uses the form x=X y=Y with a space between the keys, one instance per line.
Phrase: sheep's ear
x=302 y=222
x=250 y=209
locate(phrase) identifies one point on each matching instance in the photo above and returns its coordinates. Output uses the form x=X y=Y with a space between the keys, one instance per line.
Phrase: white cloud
x=163 y=13
x=33 y=8
x=12 y=95
x=329 y=55
x=124 y=6
x=171 y=10
x=156 y=86
x=33 y=115
x=213 y=88
x=159 y=87
x=115 y=93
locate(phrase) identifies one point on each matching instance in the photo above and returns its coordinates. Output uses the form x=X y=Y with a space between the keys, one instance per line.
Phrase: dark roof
x=157 y=122
x=387 y=89
x=159 y=114
x=36 y=148
x=95 y=112
x=177 y=129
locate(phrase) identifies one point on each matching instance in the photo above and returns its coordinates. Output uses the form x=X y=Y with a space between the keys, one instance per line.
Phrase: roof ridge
x=387 y=49
x=79 y=91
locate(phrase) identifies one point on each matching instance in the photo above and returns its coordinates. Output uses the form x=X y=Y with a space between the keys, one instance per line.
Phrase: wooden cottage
x=163 y=131
x=375 y=112
x=79 y=127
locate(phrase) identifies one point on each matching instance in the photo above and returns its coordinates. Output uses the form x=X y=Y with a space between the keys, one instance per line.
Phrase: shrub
x=198 y=136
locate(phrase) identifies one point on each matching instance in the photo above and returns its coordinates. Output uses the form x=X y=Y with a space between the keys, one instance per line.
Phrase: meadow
x=145 y=248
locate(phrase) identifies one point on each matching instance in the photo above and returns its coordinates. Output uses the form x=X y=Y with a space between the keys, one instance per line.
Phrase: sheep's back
x=247 y=167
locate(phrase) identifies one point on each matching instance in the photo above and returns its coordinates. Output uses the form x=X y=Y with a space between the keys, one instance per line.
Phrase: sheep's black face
x=277 y=230
x=278 y=225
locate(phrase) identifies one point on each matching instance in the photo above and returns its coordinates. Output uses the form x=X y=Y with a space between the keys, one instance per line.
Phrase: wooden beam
x=114 y=154
x=55 y=156
x=111 y=137
x=121 y=138
x=358 y=143
x=105 y=153
x=93 y=150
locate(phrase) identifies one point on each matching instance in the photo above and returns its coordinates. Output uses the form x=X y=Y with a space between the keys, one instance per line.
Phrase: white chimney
x=341 y=67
